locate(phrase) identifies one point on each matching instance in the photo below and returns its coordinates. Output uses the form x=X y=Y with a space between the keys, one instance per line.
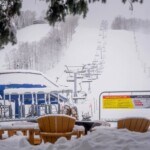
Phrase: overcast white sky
x=113 y=8
x=99 y=11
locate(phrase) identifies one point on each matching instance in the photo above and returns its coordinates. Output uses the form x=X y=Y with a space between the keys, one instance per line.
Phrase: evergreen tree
x=8 y=8
x=57 y=11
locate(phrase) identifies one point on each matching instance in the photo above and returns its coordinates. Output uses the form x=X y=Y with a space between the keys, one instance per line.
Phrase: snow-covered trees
x=131 y=24
x=8 y=8
x=25 y=18
x=57 y=11
x=46 y=53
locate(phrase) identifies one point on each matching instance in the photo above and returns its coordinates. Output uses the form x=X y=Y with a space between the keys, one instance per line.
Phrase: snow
x=122 y=69
x=105 y=138
x=57 y=115
x=36 y=33
x=19 y=125
x=30 y=90
x=24 y=77
x=35 y=5
x=32 y=33
x=126 y=67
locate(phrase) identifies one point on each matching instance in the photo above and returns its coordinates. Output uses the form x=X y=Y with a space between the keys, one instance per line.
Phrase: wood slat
x=65 y=124
x=41 y=124
x=134 y=124
x=120 y=124
x=53 y=124
x=127 y=123
x=139 y=123
x=46 y=124
x=59 y=124
x=147 y=126
x=144 y=126
x=53 y=127
x=71 y=124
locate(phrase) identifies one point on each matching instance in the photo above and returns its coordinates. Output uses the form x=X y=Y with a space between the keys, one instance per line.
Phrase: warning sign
x=126 y=101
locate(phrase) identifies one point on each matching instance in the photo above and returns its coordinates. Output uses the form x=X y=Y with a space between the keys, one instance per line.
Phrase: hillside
x=124 y=55
x=124 y=64
x=125 y=67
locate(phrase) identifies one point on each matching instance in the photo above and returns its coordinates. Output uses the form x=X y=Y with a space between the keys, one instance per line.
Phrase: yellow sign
x=117 y=102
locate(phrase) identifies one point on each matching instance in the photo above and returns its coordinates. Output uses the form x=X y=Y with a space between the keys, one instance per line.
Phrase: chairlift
x=99 y=72
x=101 y=63
x=94 y=61
x=79 y=76
x=79 y=98
x=92 y=71
x=87 y=80
x=95 y=73
x=86 y=75
x=70 y=79
x=94 y=66
x=99 y=49
x=94 y=78
x=97 y=55
x=100 y=67
x=82 y=92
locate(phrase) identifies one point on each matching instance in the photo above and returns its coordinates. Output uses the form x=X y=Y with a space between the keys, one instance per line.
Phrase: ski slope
x=123 y=63
x=123 y=68
x=126 y=56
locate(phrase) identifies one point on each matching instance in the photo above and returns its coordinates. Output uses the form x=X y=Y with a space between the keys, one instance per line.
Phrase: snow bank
x=103 y=138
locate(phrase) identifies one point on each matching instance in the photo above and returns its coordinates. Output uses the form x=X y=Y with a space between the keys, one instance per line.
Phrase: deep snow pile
x=105 y=138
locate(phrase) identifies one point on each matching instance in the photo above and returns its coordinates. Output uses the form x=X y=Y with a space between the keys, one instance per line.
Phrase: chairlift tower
x=76 y=71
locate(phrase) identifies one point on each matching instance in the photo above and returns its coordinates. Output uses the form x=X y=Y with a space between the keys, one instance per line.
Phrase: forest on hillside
x=131 y=24
x=44 y=54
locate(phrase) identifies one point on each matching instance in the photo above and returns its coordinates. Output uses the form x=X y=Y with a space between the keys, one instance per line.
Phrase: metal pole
x=23 y=107
x=36 y=105
x=32 y=106
x=4 y=106
x=46 y=102
x=20 y=106
x=49 y=103
x=75 y=86
x=58 y=104
x=89 y=88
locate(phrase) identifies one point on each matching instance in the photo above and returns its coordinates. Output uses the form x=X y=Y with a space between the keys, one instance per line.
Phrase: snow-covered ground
x=105 y=138
x=122 y=70
x=32 y=33
x=126 y=67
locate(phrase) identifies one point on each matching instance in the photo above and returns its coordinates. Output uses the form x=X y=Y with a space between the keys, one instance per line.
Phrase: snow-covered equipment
x=86 y=117
x=25 y=87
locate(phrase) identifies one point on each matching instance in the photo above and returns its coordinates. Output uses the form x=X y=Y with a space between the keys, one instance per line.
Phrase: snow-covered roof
x=29 y=90
x=19 y=71
x=25 y=77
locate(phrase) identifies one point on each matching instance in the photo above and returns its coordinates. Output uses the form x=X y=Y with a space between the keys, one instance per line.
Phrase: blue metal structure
x=10 y=80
